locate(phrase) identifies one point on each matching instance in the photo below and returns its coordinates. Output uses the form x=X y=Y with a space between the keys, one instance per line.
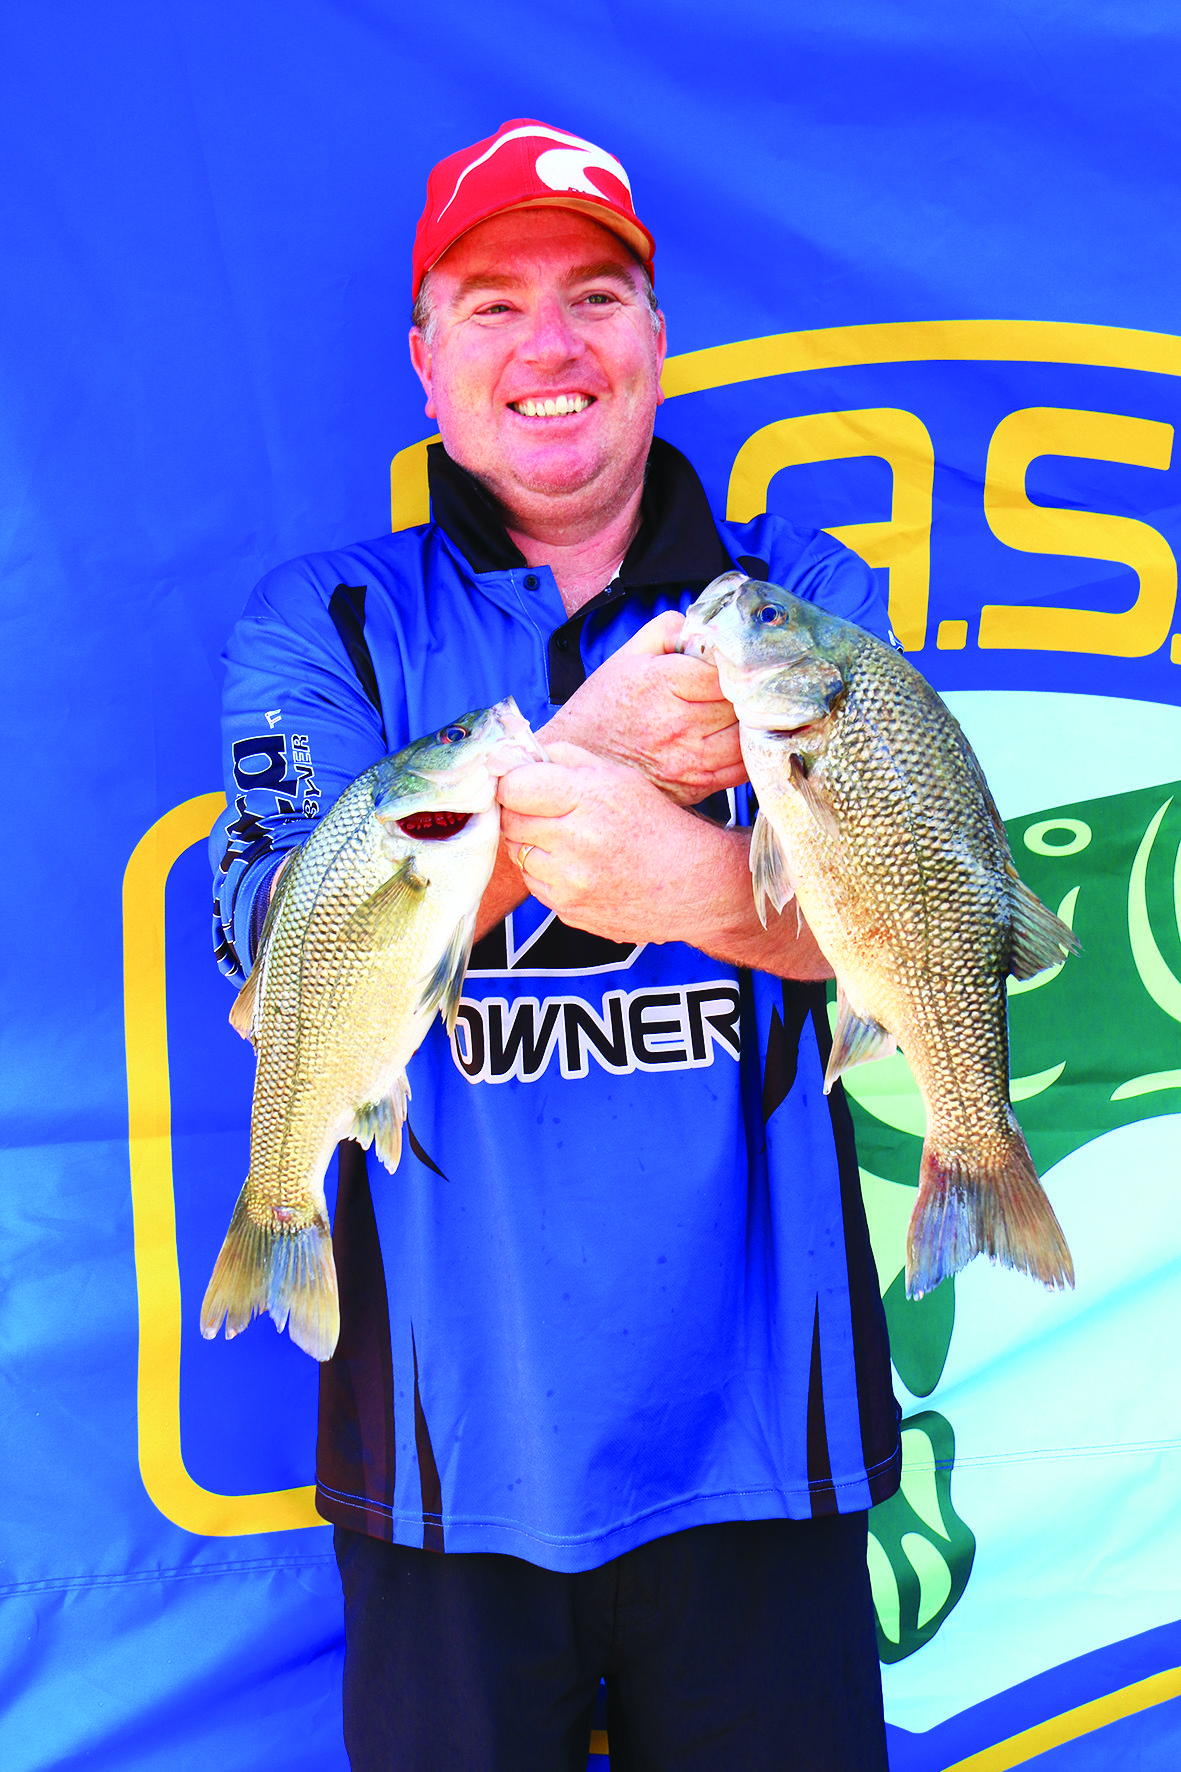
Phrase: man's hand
x=600 y=839
x=651 y=709
x=611 y=854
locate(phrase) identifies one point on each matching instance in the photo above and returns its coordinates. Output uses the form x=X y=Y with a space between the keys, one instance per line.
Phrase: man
x=611 y=1339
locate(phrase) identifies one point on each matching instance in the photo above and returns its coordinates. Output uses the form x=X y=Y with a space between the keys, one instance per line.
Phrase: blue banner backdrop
x=921 y=269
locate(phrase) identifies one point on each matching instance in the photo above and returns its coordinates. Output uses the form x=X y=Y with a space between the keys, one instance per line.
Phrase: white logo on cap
x=559 y=168
x=565 y=169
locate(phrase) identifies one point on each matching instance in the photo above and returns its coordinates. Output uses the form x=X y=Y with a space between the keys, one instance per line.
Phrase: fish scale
x=368 y=934
x=875 y=815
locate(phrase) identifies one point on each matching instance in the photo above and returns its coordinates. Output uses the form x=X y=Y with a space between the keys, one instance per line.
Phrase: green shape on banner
x=920 y=1333
x=920 y=1551
x=1093 y=1042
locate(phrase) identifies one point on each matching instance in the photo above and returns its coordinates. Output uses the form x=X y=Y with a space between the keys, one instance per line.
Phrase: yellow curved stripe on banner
x=918 y=341
x=853 y=347
x=157 y=1271
x=1018 y=1750
x=410 y=501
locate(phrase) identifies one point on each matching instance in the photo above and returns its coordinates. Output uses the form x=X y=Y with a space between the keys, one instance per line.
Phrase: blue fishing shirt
x=621 y=1282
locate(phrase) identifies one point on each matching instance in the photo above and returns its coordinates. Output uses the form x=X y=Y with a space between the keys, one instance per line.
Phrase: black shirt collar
x=677 y=541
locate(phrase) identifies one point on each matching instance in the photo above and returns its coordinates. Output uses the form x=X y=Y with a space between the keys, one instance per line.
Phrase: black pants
x=736 y=1648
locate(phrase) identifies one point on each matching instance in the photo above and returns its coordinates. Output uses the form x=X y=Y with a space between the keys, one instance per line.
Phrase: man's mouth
x=555 y=406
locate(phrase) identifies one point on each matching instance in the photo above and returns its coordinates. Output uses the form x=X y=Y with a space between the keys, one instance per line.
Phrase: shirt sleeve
x=297 y=728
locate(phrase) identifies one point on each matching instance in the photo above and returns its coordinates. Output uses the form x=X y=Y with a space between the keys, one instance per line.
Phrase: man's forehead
x=511 y=248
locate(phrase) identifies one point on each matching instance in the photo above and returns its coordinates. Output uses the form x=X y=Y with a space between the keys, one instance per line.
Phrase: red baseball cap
x=525 y=165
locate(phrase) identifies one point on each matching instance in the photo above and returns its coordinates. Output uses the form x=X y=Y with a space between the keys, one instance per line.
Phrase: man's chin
x=548 y=474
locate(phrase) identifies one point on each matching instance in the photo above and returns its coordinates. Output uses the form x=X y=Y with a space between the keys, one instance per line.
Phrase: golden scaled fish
x=874 y=813
x=367 y=936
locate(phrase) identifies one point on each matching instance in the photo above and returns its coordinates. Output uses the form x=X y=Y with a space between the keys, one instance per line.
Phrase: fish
x=367 y=936
x=874 y=814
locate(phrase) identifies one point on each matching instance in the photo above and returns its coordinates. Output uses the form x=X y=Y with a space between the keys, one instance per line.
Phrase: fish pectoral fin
x=813 y=799
x=376 y=920
x=855 y=1040
x=444 y=987
x=770 y=874
x=1040 y=939
x=245 y=1004
x=380 y=1123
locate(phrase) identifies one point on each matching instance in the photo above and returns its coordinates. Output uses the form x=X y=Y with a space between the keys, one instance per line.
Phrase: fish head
x=778 y=658
x=445 y=781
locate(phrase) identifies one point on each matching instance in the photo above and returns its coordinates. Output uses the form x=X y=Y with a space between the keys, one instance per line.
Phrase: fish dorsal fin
x=855 y=1040
x=770 y=874
x=380 y=1123
x=444 y=986
x=813 y=799
x=376 y=921
x=1040 y=939
x=247 y=1010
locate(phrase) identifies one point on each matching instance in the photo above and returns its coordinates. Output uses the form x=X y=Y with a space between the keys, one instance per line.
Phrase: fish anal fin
x=377 y=919
x=288 y=1272
x=770 y=874
x=444 y=987
x=855 y=1040
x=380 y=1123
x=995 y=1206
x=813 y=799
x=1039 y=938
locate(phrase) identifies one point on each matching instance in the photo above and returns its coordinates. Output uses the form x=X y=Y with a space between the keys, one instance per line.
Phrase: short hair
x=423 y=314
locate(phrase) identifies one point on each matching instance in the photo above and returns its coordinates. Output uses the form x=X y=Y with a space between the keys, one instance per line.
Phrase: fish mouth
x=435 y=827
x=517 y=742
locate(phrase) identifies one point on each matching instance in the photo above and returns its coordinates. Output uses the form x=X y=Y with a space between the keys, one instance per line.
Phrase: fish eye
x=770 y=615
x=453 y=734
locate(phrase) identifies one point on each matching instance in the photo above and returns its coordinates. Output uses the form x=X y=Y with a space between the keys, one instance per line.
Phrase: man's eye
x=599 y=297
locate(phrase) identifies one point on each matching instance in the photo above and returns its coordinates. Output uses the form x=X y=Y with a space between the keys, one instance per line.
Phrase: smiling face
x=543 y=366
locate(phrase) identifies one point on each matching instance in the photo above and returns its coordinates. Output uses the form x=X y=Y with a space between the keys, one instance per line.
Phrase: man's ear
x=420 y=357
x=661 y=348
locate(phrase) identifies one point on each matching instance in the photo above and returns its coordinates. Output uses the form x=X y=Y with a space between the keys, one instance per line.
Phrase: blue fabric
x=207 y=223
x=605 y=1304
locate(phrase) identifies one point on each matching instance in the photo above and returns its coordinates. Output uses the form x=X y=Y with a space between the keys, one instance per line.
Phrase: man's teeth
x=556 y=408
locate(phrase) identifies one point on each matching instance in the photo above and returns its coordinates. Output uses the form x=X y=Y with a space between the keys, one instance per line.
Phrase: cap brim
x=633 y=234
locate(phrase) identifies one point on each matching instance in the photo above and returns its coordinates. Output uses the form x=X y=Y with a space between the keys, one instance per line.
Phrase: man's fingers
x=690 y=680
x=542 y=790
x=571 y=756
x=527 y=856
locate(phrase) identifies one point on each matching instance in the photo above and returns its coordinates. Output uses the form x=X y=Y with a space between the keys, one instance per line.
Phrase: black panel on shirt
x=355 y=1454
x=879 y=1412
x=677 y=543
x=346 y=606
x=469 y=514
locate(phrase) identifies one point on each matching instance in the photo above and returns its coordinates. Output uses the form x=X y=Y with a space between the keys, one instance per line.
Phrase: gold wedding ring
x=524 y=851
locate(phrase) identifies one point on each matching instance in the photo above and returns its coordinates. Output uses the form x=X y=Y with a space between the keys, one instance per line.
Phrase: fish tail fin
x=993 y=1206
x=290 y=1273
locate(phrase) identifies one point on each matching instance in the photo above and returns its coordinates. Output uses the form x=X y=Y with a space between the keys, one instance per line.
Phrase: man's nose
x=552 y=339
